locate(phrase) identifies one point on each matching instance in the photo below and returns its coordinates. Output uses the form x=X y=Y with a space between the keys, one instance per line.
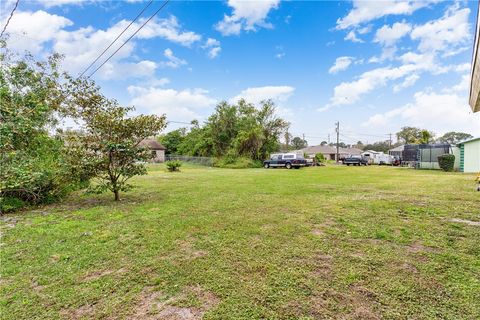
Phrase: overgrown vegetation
x=33 y=164
x=233 y=133
x=40 y=163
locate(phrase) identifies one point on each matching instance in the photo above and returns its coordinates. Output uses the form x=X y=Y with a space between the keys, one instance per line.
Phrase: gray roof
x=470 y=140
x=330 y=150
x=152 y=144
x=399 y=148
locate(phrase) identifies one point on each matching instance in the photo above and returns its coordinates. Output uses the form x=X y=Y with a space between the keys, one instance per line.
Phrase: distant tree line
x=233 y=131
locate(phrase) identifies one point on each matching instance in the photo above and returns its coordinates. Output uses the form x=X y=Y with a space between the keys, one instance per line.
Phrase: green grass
x=324 y=242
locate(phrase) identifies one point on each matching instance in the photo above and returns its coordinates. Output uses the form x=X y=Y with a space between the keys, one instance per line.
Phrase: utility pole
x=337 y=129
x=303 y=137
x=329 y=138
x=390 y=141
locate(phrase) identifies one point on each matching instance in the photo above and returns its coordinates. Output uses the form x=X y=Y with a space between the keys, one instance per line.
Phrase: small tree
x=299 y=143
x=107 y=148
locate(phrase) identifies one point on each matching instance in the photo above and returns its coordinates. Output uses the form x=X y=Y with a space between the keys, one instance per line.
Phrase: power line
x=111 y=44
x=9 y=18
x=129 y=38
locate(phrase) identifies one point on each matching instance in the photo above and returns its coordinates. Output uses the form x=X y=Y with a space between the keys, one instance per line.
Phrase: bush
x=320 y=158
x=446 y=162
x=8 y=204
x=237 y=163
x=173 y=165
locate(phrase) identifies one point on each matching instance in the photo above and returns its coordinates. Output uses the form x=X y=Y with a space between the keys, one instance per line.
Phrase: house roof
x=399 y=148
x=470 y=140
x=330 y=150
x=152 y=144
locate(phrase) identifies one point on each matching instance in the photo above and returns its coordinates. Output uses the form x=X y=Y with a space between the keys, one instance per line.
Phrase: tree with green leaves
x=299 y=143
x=453 y=137
x=107 y=148
x=409 y=135
x=33 y=165
x=172 y=140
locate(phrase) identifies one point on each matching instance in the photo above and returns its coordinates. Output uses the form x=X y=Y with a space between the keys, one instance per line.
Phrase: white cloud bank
x=440 y=112
x=247 y=15
x=255 y=95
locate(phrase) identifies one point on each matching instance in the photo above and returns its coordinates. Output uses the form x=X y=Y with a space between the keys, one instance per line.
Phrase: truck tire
x=288 y=165
x=266 y=165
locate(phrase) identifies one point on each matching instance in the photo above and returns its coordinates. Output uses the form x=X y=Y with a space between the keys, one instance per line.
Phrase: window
x=274 y=157
x=289 y=156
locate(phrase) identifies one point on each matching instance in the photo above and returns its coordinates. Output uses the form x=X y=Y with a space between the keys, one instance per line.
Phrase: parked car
x=287 y=160
x=356 y=160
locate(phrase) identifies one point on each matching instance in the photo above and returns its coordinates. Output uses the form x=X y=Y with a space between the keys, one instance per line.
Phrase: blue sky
x=375 y=66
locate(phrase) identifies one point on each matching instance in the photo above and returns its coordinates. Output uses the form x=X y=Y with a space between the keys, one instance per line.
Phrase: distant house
x=470 y=155
x=158 y=150
x=397 y=152
x=329 y=152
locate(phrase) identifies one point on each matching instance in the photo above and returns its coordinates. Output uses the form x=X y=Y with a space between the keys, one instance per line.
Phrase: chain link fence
x=202 y=161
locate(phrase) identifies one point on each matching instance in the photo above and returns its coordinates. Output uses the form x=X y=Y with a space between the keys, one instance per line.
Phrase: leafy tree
x=33 y=167
x=299 y=143
x=425 y=137
x=172 y=140
x=409 y=135
x=236 y=130
x=323 y=143
x=108 y=146
x=381 y=146
x=454 y=137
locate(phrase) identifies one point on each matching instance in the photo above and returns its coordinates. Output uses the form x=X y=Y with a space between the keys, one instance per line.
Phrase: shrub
x=320 y=158
x=231 y=162
x=173 y=165
x=8 y=204
x=446 y=162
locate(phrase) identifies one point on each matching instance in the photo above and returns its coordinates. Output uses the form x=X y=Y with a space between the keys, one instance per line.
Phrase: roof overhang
x=474 y=99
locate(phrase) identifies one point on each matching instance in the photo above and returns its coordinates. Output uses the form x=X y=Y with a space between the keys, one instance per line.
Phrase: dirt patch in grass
x=84 y=312
x=188 y=251
x=467 y=222
x=101 y=273
x=152 y=305
x=417 y=247
x=323 y=265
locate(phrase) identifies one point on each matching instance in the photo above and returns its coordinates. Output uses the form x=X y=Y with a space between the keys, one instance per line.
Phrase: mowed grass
x=316 y=243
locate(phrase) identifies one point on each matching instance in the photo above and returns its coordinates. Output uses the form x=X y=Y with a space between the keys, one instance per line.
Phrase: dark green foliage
x=236 y=131
x=9 y=204
x=320 y=158
x=173 y=165
x=446 y=162
x=237 y=163
x=299 y=143
x=172 y=140
x=33 y=162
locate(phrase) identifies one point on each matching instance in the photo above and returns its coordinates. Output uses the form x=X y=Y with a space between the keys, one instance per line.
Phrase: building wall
x=159 y=156
x=471 y=161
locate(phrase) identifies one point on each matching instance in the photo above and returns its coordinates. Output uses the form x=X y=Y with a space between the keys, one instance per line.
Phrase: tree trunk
x=117 y=195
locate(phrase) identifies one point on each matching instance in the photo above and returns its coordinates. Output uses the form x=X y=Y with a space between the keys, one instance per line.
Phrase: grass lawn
x=316 y=243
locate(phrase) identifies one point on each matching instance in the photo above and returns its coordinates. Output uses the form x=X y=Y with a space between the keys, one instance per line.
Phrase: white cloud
x=24 y=29
x=247 y=15
x=445 y=33
x=57 y=3
x=352 y=37
x=280 y=55
x=388 y=53
x=255 y=95
x=341 y=63
x=183 y=105
x=440 y=112
x=388 y=35
x=213 y=47
x=408 y=82
x=365 y=11
x=172 y=61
